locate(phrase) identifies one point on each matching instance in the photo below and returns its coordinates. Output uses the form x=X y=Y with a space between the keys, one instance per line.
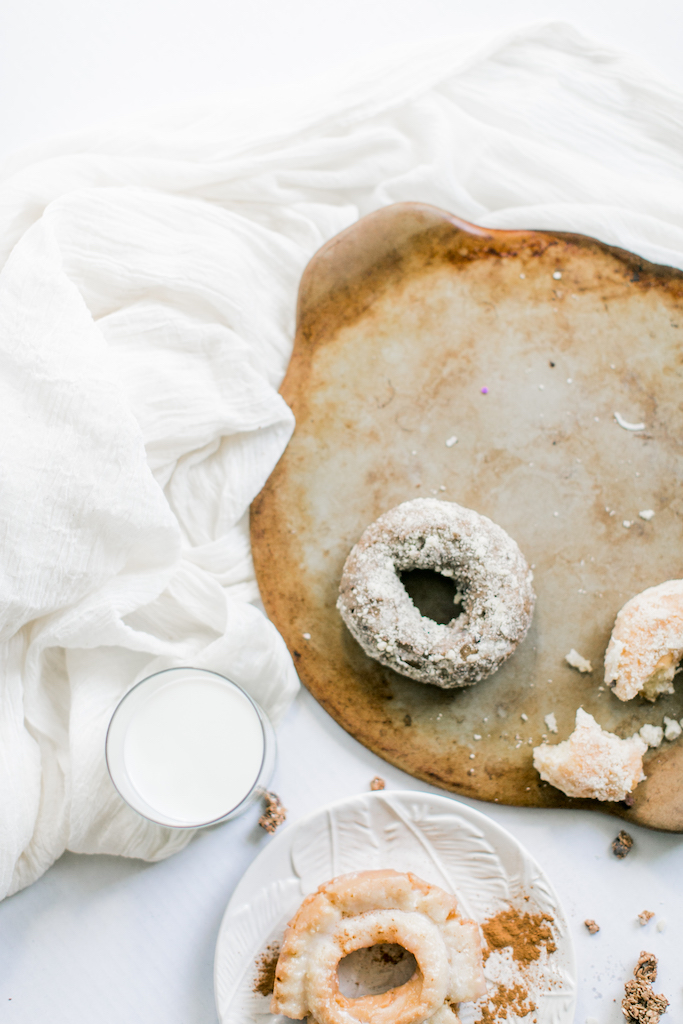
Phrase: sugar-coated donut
x=486 y=563
x=360 y=910
x=646 y=645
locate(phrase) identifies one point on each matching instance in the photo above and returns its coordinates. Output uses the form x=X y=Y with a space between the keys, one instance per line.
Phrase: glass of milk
x=188 y=748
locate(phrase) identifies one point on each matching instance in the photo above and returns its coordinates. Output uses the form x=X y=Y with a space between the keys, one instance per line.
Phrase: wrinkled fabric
x=147 y=299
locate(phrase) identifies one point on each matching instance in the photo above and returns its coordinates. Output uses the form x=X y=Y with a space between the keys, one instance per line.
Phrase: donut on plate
x=360 y=910
x=486 y=563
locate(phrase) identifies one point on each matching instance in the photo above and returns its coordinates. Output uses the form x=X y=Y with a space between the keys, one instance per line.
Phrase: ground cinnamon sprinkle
x=525 y=933
x=264 y=982
x=508 y=999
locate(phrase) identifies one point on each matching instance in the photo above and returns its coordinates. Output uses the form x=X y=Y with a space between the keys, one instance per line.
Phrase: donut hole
x=375 y=969
x=437 y=597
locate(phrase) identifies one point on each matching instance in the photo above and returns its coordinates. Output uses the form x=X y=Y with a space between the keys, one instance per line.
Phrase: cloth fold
x=147 y=298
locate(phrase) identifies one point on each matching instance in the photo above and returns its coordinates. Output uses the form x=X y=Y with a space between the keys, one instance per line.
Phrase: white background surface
x=108 y=940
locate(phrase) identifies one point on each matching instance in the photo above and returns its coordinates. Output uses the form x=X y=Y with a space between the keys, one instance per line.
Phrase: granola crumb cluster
x=640 y=1004
x=274 y=814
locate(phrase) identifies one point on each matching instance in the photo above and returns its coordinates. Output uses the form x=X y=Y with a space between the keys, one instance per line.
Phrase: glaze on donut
x=360 y=910
x=497 y=604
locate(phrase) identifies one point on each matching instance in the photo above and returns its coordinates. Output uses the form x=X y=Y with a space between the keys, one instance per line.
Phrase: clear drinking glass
x=188 y=748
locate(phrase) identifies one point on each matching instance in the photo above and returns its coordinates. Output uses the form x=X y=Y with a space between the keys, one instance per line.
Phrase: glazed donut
x=360 y=910
x=498 y=599
x=646 y=644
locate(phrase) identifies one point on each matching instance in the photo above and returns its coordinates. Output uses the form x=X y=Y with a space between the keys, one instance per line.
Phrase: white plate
x=437 y=838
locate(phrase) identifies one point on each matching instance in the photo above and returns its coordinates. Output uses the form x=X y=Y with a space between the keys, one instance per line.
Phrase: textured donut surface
x=646 y=645
x=360 y=910
x=486 y=563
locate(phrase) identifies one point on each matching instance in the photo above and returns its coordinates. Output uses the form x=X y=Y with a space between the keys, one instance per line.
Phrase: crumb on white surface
x=575 y=660
x=593 y=763
x=551 y=722
x=275 y=813
x=661 y=925
x=672 y=729
x=647 y=514
x=622 y=845
x=644 y=916
x=651 y=734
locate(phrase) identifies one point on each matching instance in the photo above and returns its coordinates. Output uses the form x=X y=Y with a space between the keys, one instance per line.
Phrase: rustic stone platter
x=414 y=328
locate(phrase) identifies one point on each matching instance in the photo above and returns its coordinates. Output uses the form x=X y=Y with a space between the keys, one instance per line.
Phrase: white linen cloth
x=147 y=296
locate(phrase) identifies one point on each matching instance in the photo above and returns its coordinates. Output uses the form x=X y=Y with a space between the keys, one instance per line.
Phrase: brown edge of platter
x=338 y=286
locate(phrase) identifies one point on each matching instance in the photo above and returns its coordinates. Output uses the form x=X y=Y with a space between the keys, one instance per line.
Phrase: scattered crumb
x=644 y=916
x=274 y=814
x=672 y=729
x=306 y=636
x=451 y=441
x=470 y=771
x=557 y=275
x=646 y=968
x=377 y=784
x=477 y=736
x=661 y=925
x=626 y=425
x=651 y=734
x=525 y=718
x=576 y=661
x=551 y=722
x=646 y=514
x=640 y=1005
x=621 y=846
x=264 y=982
x=591 y=925
x=626 y=523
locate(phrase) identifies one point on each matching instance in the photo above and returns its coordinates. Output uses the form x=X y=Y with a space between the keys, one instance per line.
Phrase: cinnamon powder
x=525 y=933
x=264 y=982
x=508 y=999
